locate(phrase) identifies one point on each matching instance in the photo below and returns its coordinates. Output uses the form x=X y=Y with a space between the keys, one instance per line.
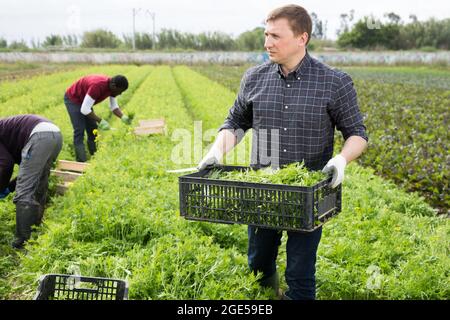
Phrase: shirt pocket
x=311 y=117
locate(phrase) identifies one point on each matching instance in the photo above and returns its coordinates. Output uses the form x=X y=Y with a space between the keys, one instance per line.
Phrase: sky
x=34 y=20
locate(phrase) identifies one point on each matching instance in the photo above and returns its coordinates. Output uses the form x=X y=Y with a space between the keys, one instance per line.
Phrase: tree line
x=389 y=32
x=166 y=39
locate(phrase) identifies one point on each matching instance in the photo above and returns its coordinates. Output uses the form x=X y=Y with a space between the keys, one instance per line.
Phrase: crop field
x=121 y=218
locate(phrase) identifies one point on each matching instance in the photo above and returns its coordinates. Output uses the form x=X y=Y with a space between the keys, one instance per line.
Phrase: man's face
x=115 y=91
x=280 y=42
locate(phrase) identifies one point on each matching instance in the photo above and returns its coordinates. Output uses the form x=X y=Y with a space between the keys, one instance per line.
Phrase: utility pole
x=152 y=14
x=146 y=12
x=134 y=29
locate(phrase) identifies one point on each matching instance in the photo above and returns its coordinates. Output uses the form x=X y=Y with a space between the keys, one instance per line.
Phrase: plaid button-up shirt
x=293 y=117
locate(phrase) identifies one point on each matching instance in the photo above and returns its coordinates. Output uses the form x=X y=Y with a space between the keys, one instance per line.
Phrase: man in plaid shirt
x=293 y=103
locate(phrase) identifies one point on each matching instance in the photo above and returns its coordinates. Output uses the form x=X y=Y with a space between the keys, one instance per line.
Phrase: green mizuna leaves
x=294 y=174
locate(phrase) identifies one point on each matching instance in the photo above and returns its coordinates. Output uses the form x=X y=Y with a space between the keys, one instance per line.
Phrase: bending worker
x=33 y=143
x=80 y=98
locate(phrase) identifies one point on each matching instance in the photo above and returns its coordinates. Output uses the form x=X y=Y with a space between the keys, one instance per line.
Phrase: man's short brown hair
x=298 y=18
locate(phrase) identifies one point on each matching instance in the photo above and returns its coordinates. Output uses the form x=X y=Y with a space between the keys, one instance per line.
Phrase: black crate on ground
x=72 y=287
x=276 y=206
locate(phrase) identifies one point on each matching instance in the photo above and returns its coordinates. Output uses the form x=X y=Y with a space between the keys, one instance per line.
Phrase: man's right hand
x=104 y=125
x=208 y=161
x=212 y=158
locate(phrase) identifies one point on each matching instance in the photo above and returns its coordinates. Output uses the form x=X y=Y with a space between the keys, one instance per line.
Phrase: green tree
x=143 y=41
x=394 y=34
x=18 y=45
x=167 y=39
x=100 y=39
x=251 y=40
x=393 y=17
x=70 y=40
x=361 y=36
x=346 y=19
x=172 y=39
x=318 y=30
x=215 y=41
x=52 y=40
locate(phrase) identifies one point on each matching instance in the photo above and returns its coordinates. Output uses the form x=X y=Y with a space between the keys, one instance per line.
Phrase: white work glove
x=104 y=125
x=213 y=157
x=126 y=119
x=337 y=165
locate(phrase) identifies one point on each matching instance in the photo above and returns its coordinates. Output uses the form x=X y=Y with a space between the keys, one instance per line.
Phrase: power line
x=146 y=12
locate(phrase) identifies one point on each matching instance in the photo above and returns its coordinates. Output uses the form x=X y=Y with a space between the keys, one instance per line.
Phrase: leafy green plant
x=294 y=174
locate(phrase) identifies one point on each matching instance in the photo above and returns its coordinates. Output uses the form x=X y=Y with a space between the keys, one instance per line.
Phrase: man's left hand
x=337 y=166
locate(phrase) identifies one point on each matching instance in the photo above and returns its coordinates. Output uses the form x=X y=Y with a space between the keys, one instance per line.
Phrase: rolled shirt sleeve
x=86 y=107
x=345 y=110
x=113 y=103
x=240 y=115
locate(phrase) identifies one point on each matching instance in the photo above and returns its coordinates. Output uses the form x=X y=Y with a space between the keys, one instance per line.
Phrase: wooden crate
x=75 y=166
x=151 y=126
x=68 y=171
x=152 y=123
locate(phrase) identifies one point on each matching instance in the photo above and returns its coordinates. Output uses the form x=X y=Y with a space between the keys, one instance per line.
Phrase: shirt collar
x=303 y=65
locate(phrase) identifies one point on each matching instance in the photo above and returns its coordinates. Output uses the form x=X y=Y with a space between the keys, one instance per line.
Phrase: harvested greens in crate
x=291 y=198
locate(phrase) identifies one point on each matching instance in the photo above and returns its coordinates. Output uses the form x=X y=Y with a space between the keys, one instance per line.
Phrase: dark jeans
x=38 y=155
x=301 y=251
x=80 y=124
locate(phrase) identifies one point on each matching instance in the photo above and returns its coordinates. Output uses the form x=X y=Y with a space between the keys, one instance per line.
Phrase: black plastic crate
x=72 y=287
x=283 y=207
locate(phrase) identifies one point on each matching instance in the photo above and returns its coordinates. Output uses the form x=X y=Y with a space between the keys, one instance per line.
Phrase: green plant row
x=9 y=89
x=409 y=137
x=385 y=244
x=120 y=219
x=209 y=102
x=58 y=114
x=425 y=77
